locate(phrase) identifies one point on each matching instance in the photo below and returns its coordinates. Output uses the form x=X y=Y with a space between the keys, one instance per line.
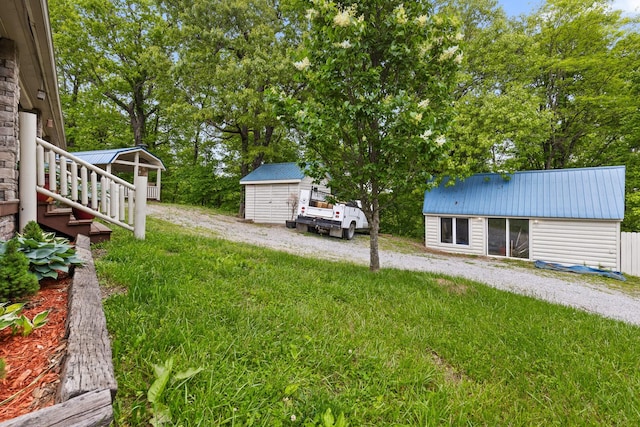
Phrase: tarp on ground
x=580 y=269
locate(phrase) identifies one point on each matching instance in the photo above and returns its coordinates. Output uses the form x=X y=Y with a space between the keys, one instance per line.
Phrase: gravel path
x=572 y=290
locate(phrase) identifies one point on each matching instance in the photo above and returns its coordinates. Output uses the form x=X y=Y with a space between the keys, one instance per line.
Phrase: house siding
x=476 y=236
x=268 y=203
x=591 y=243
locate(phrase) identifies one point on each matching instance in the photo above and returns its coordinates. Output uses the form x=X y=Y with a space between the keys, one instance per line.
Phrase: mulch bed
x=33 y=363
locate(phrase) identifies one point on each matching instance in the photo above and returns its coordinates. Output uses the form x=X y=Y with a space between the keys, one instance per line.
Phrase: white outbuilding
x=272 y=191
x=566 y=216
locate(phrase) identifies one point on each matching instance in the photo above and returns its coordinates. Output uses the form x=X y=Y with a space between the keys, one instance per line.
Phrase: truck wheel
x=348 y=233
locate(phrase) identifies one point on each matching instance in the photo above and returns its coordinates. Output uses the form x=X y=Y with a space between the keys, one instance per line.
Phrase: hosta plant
x=11 y=317
x=49 y=257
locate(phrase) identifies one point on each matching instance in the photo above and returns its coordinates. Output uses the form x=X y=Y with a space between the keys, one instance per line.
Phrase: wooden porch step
x=61 y=220
x=99 y=232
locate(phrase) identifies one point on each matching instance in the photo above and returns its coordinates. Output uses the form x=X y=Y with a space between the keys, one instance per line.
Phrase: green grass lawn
x=282 y=339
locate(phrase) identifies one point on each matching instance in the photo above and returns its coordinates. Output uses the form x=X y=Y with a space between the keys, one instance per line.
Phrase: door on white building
x=508 y=237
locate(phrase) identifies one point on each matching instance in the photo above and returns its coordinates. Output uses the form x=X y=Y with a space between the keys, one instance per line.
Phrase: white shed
x=272 y=190
x=567 y=216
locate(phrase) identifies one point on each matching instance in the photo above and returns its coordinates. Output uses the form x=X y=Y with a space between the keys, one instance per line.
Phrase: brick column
x=9 y=100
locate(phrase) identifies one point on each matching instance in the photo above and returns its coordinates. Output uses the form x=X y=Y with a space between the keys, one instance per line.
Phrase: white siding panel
x=280 y=194
x=262 y=203
x=268 y=202
x=307 y=183
x=249 y=202
x=590 y=243
x=476 y=237
x=630 y=253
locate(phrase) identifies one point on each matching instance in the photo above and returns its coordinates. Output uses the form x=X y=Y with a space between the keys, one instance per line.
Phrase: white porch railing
x=76 y=183
x=88 y=188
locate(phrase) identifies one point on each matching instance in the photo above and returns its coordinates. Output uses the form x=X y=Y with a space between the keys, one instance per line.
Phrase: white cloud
x=632 y=6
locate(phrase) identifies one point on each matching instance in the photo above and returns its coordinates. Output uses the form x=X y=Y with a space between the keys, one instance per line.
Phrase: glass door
x=508 y=237
x=519 y=238
x=497 y=239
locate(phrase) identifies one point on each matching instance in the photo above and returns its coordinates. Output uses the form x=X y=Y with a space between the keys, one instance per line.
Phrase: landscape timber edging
x=87 y=379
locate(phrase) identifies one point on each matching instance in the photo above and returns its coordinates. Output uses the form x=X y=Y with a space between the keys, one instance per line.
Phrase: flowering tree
x=379 y=78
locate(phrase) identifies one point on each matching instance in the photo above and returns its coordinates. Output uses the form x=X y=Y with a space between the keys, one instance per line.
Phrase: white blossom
x=424 y=49
x=424 y=103
x=311 y=13
x=343 y=19
x=458 y=59
x=417 y=117
x=448 y=53
x=441 y=140
x=345 y=44
x=401 y=14
x=302 y=65
x=422 y=20
x=293 y=417
x=426 y=134
x=459 y=37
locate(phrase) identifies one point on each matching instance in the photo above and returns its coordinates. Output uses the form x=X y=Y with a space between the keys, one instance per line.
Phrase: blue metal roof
x=275 y=172
x=105 y=157
x=585 y=193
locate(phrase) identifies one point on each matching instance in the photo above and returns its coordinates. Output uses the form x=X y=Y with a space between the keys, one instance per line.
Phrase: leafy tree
x=229 y=53
x=551 y=91
x=379 y=77
x=111 y=53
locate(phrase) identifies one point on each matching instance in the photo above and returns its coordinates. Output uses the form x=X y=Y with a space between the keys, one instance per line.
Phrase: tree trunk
x=374 y=256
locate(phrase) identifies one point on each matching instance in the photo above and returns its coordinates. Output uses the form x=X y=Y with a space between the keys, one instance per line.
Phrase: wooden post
x=28 y=170
x=140 y=200
x=158 y=183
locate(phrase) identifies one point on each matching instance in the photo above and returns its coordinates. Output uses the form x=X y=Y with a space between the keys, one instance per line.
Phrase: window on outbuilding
x=454 y=230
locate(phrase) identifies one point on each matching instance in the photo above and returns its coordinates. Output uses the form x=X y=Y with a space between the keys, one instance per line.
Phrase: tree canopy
x=376 y=93
x=378 y=79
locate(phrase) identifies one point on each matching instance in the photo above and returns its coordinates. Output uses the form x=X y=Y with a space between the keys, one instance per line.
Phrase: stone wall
x=9 y=101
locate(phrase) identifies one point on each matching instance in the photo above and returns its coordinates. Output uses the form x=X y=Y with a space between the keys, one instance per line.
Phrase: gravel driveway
x=586 y=293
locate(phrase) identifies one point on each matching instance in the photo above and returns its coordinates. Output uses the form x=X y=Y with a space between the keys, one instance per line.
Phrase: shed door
x=514 y=243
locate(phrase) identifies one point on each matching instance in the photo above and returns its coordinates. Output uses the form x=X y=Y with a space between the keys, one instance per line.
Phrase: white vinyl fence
x=630 y=253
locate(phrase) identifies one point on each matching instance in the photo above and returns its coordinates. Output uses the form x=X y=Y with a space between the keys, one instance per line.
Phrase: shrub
x=15 y=278
x=33 y=231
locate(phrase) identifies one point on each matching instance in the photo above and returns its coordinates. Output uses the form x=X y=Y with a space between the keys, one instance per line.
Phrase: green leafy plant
x=15 y=278
x=11 y=316
x=327 y=420
x=33 y=231
x=161 y=412
x=49 y=257
x=3 y=371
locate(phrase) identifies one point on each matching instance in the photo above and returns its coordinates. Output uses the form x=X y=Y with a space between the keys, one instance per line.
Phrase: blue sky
x=517 y=7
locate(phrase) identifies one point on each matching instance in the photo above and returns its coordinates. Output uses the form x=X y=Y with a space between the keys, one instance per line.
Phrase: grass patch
x=284 y=338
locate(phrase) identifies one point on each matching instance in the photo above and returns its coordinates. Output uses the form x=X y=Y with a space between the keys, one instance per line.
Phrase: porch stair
x=61 y=220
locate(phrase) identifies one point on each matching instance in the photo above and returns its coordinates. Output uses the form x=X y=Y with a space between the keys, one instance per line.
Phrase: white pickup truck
x=315 y=213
